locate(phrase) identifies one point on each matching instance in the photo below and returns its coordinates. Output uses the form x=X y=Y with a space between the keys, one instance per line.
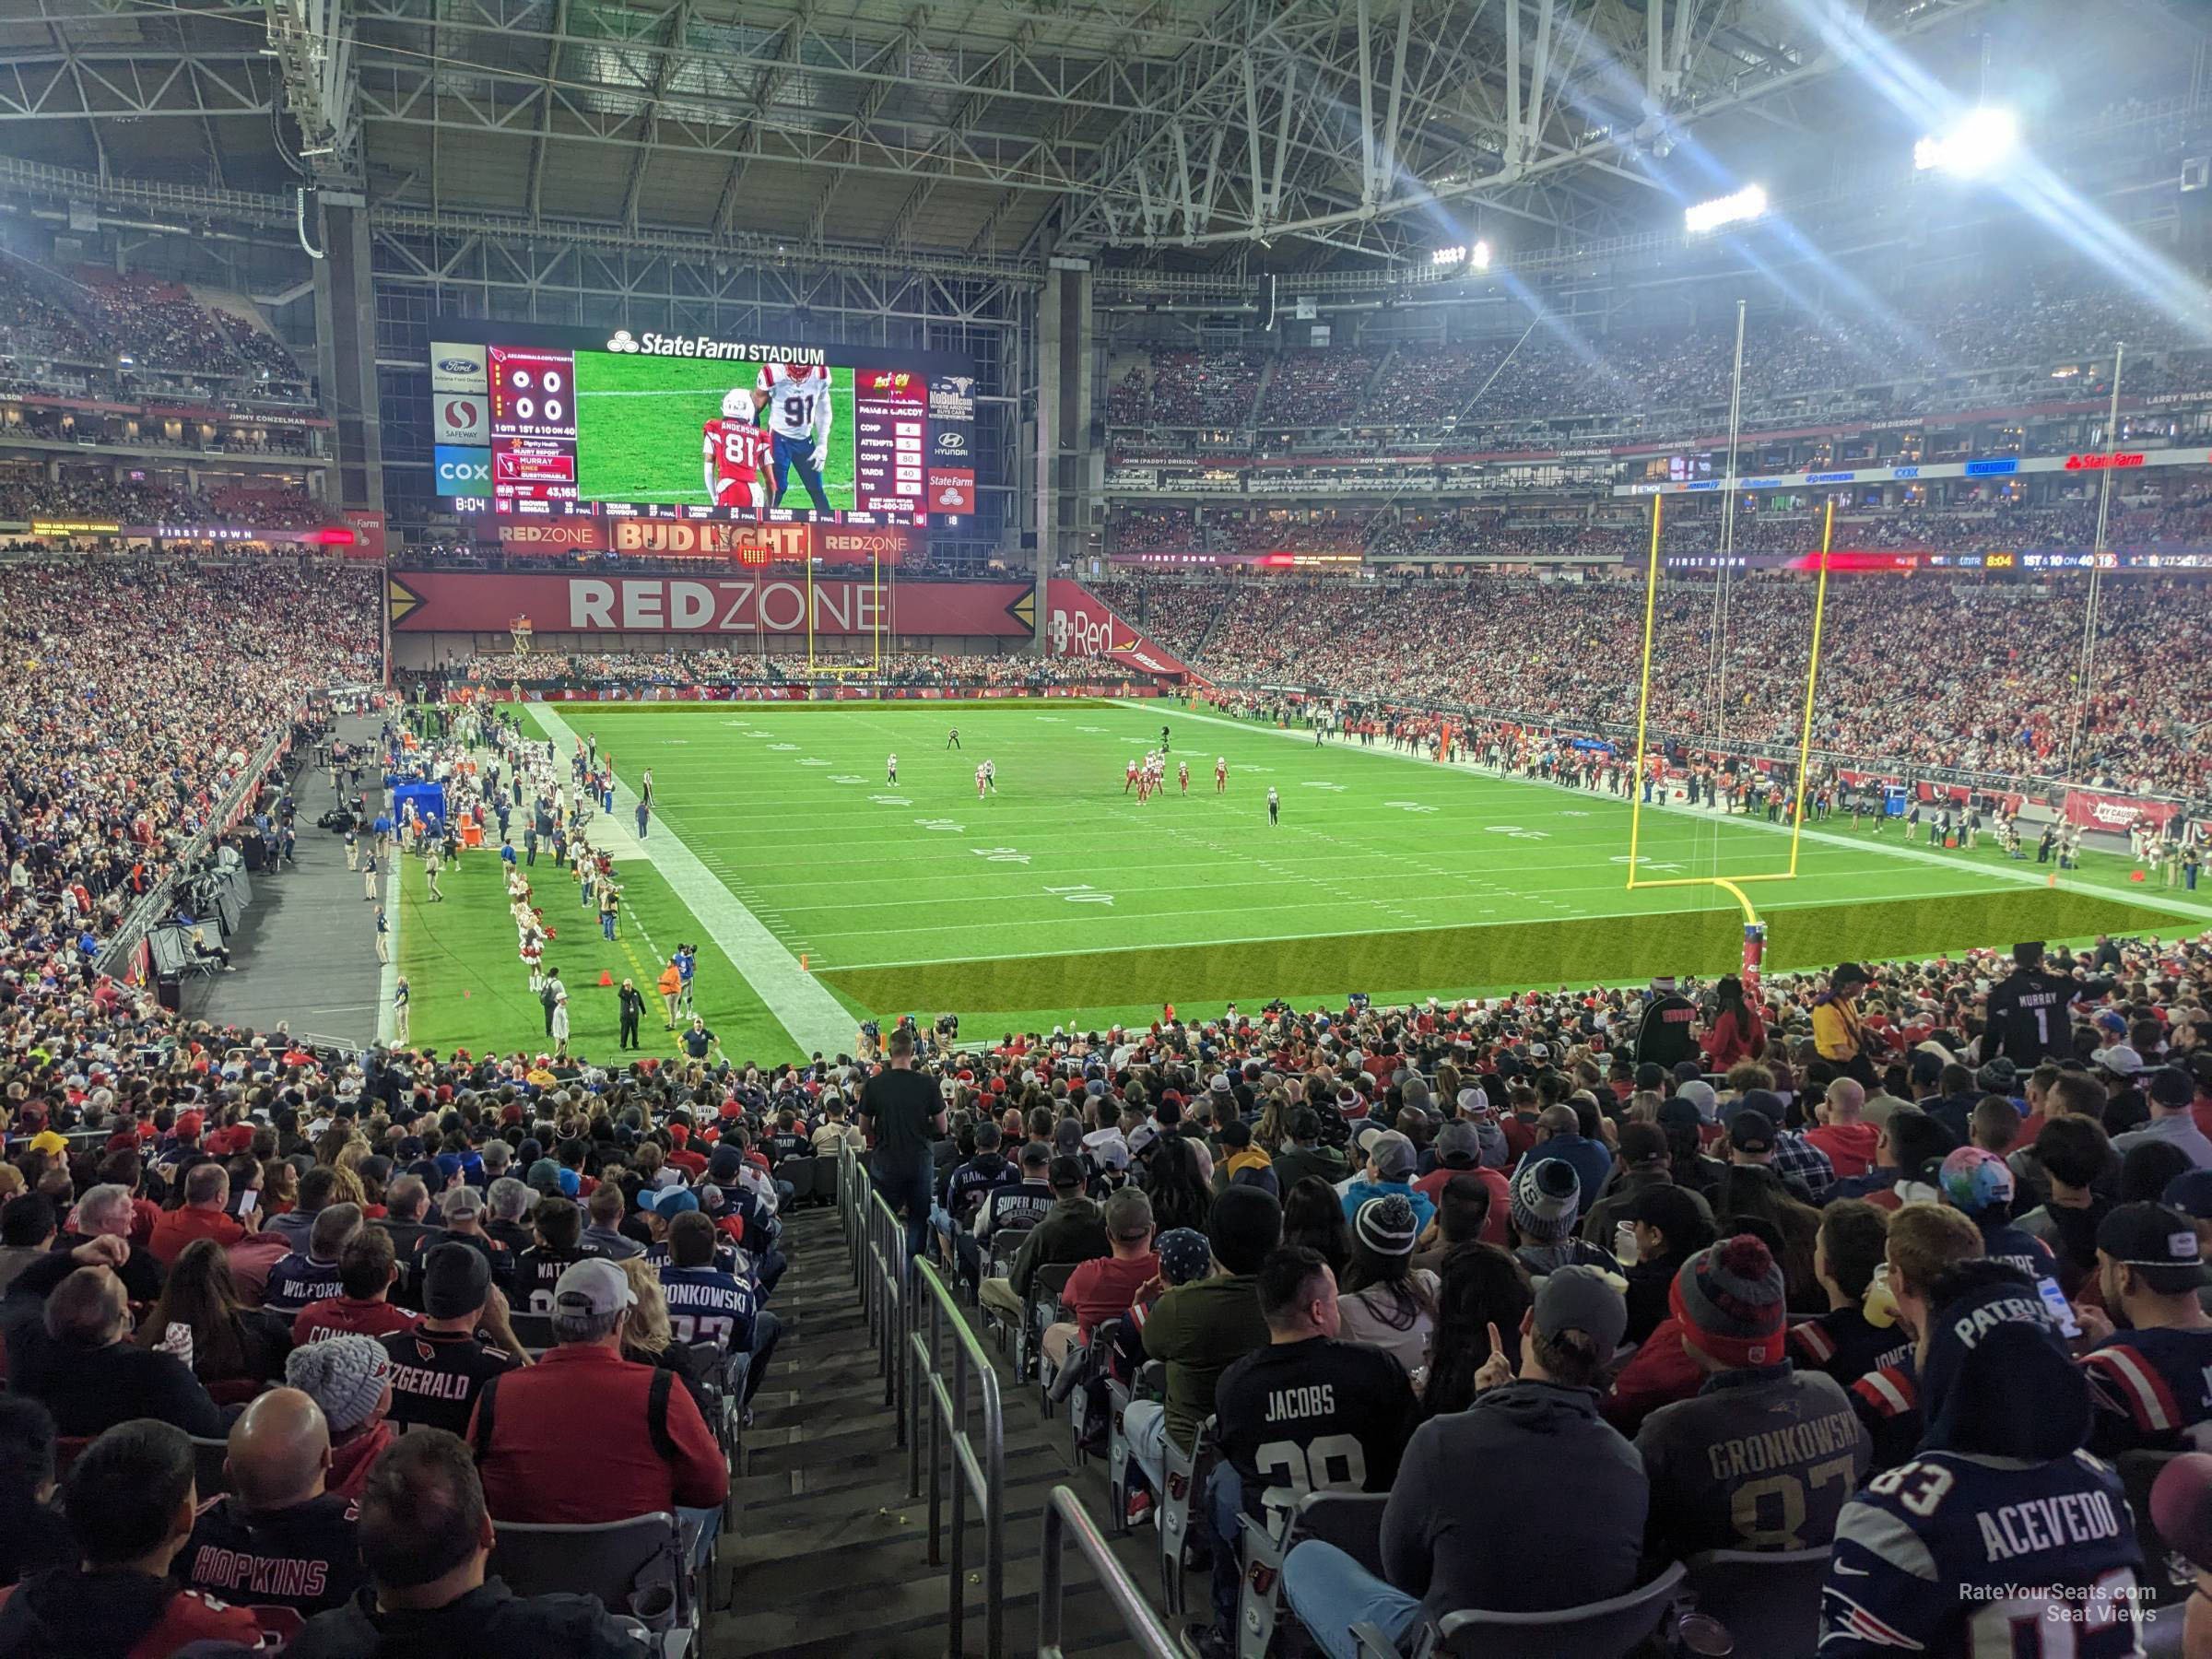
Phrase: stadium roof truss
x=993 y=132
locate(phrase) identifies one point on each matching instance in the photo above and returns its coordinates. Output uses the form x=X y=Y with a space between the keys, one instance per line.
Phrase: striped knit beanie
x=1386 y=1225
x=1729 y=1298
x=1545 y=1197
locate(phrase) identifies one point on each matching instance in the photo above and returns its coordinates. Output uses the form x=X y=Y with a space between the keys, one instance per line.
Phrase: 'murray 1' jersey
x=797 y=398
x=1978 y=1557
x=2027 y=1014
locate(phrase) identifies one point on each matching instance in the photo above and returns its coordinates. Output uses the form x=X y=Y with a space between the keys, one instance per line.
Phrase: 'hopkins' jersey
x=1978 y=1557
x=1312 y=1417
x=798 y=399
x=2152 y=1389
x=737 y=448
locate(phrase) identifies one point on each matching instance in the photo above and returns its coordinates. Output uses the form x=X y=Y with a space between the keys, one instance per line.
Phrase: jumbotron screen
x=565 y=423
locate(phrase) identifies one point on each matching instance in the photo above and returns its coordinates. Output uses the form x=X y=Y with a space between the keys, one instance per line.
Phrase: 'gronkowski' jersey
x=2152 y=1389
x=738 y=449
x=1980 y=1559
x=706 y=1304
x=797 y=398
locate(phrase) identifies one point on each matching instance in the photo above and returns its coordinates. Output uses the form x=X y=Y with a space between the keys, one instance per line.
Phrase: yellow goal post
x=1732 y=885
x=879 y=611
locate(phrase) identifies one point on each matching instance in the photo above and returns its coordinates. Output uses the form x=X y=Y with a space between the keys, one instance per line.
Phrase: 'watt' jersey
x=797 y=398
x=737 y=448
x=1976 y=1558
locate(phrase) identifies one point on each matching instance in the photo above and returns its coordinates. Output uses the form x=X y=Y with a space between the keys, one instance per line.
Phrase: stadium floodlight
x=1747 y=203
x=1476 y=258
x=1975 y=142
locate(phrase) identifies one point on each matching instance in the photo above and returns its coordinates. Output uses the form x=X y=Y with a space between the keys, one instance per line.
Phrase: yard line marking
x=813 y=1019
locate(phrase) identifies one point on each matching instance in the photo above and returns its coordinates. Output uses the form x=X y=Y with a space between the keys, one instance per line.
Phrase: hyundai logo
x=459 y=366
x=952 y=443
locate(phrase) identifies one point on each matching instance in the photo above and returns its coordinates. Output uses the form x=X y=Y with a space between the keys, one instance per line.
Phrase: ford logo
x=459 y=366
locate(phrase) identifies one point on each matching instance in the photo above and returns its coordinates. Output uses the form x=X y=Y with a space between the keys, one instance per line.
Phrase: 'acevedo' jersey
x=1961 y=1555
x=797 y=398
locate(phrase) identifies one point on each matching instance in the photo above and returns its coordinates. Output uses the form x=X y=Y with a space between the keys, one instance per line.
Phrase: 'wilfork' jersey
x=738 y=449
x=797 y=398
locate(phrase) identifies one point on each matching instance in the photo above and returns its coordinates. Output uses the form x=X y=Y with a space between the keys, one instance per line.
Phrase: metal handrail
x=1063 y=1515
x=883 y=1281
x=983 y=1478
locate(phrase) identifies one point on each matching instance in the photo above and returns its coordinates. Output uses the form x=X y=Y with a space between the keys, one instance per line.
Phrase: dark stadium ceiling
x=1282 y=132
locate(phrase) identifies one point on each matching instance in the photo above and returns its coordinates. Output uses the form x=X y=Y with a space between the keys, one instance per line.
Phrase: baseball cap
x=2191 y=1192
x=2159 y=1243
x=1752 y=1132
x=594 y=1286
x=2119 y=1059
x=1974 y=1179
x=1065 y=1172
x=456 y=1280
x=1394 y=1156
x=670 y=1201
x=1581 y=1299
x=1847 y=975
x=1651 y=1074
x=48 y=1142
x=1699 y=1093
x=2172 y=1087
x=1458 y=1140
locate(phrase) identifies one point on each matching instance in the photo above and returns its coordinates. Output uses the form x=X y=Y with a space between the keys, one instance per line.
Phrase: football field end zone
x=2032 y=876
x=801 y=1003
x=1482 y=959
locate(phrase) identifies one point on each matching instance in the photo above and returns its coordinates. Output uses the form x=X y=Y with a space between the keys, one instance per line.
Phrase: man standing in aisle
x=903 y=1113
x=632 y=1003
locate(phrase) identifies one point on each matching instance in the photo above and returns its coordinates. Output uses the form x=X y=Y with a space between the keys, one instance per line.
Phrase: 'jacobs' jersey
x=1312 y=1417
x=706 y=1304
x=2152 y=1389
x=798 y=399
x=1977 y=1557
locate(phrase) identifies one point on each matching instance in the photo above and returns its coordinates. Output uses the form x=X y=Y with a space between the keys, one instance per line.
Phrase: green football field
x=1061 y=899
x=638 y=420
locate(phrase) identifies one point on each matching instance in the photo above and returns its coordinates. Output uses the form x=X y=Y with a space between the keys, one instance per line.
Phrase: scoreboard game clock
x=581 y=424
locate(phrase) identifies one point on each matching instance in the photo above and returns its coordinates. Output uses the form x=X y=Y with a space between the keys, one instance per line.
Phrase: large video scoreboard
x=553 y=424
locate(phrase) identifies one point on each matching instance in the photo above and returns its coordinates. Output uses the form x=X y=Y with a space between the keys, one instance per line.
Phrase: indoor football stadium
x=914 y=832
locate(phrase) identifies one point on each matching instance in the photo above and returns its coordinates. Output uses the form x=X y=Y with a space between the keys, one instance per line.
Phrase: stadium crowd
x=1973 y=347
x=740 y=668
x=1915 y=673
x=76 y=496
x=98 y=320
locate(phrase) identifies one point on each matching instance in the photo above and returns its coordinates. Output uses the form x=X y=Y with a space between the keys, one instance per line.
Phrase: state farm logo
x=2101 y=463
x=622 y=341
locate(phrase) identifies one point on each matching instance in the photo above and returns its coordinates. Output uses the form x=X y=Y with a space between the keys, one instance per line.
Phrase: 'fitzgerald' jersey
x=2152 y=1389
x=738 y=449
x=1985 y=1559
x=797 y=398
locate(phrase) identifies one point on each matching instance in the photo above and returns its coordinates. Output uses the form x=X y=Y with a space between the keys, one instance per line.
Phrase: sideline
x=813 y=1020
x=2149 y=898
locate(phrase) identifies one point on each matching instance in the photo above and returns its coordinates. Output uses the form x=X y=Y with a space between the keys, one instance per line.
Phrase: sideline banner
x=1083 y=625
x=2116 y=813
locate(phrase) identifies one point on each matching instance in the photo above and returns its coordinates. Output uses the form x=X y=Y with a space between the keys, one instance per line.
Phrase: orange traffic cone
x=605 y=978
x=802 y=968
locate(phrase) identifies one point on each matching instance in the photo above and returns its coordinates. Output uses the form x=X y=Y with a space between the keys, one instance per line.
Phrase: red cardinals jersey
x=737 y=448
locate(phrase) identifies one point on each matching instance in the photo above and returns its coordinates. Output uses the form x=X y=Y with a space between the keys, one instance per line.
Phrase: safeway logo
x=461 y=414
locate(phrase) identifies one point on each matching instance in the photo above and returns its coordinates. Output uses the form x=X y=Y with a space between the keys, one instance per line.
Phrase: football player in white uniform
x=797 y=400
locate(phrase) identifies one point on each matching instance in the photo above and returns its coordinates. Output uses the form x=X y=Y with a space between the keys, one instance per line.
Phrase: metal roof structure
x=1269 y=133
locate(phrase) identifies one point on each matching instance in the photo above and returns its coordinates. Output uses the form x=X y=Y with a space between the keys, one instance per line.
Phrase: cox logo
x=462 y=472
x=622 y=342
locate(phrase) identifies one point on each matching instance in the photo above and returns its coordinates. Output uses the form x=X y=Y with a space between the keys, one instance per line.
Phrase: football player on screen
x=797 y=401
x=736 y=453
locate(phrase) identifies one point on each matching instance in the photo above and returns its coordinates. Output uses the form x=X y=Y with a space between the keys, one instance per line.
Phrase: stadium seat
x=2167 y=1575
x=534 y=1331
x=626 y=1564
x=1187 y=1474
x=1351 y=1520
x=1038 y=1308
x=1771 y=1597
x=207 y=1459
x=799 y=1169
x=1086 y=1361
x=1606 y=1629
x=825 y=1180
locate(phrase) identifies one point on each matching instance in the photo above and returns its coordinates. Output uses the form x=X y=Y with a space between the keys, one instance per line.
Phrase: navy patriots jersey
x=2152 y=1389
x=706 y=1304
x=1985 y=1559
x=1845 y=1345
